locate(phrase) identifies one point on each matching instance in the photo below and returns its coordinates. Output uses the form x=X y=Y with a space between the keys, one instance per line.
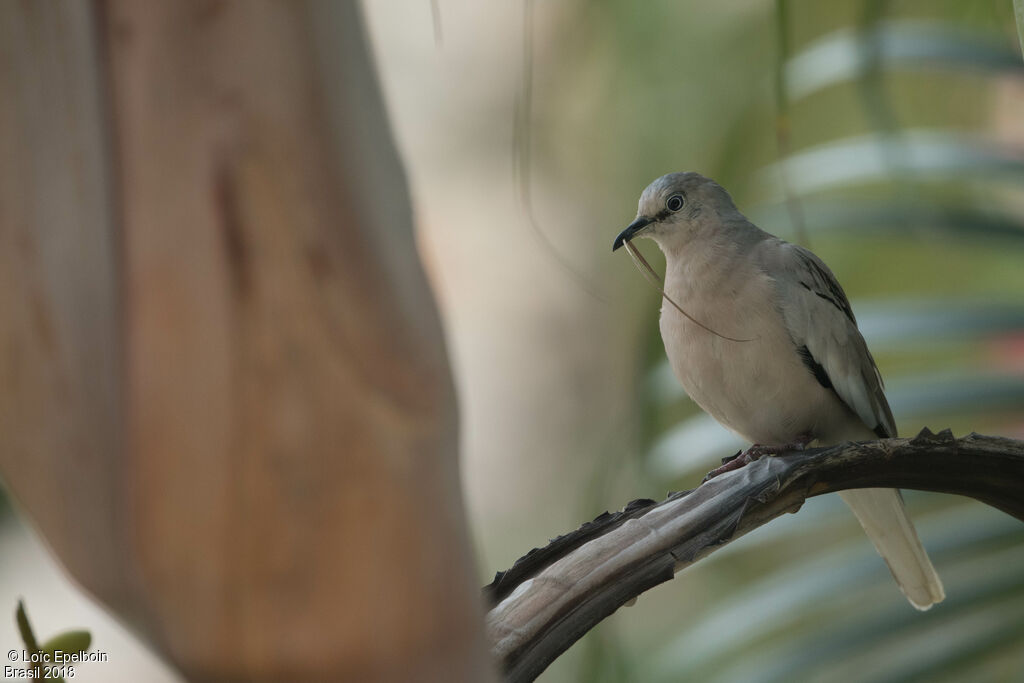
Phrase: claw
x=730 y=458
x=728 y=465
x=755 y=452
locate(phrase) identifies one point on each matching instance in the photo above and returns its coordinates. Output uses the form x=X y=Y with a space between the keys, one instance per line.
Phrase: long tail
x=882 y=514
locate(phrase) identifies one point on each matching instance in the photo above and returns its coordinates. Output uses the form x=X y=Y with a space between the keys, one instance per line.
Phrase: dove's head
x=676 y=208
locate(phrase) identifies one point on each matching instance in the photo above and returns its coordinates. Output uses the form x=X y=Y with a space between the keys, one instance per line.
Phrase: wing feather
x=819 y=319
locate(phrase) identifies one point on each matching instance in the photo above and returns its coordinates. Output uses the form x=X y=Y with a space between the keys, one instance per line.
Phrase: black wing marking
x=815 y=367
x=824 y=285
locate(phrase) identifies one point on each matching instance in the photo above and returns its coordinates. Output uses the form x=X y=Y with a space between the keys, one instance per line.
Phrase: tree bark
x=219 y=353
x=553 y=596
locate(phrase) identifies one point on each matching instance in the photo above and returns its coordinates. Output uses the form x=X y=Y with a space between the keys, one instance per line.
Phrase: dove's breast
x=758 y=387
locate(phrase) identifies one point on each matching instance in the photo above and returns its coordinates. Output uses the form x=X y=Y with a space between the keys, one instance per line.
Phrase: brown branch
x=553 y=596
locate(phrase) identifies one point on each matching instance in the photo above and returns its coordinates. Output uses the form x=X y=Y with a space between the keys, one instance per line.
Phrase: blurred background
x=886 y=136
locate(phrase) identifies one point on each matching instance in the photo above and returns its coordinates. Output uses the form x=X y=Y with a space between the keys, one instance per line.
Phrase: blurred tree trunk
x=224 y=396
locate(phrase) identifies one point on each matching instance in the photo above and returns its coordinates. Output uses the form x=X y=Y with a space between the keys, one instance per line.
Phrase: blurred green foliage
x=881 y=134
x=53 y=652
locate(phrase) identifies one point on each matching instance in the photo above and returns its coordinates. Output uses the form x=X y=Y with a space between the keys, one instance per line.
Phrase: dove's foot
x=756 y=452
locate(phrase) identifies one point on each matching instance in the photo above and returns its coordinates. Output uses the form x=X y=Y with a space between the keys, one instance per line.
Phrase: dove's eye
x=675 y=202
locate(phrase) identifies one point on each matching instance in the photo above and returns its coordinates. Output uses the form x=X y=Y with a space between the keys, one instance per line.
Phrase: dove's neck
x=710 y=261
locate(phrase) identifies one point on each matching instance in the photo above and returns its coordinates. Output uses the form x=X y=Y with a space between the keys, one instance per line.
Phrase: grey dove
x=771 y=349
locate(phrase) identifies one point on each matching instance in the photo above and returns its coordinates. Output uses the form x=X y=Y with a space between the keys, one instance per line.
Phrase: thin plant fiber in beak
x=652 y=277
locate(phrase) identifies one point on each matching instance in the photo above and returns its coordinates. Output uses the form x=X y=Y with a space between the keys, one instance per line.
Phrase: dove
x=762 y=337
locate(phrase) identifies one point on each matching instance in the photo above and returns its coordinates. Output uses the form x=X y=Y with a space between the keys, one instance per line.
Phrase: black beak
x=627 y=234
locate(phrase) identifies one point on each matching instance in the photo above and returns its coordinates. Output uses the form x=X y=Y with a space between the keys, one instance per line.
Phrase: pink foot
x=756 y=452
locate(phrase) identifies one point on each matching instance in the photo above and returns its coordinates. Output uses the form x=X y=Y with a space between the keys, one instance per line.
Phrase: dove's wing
x=824 y=330
x=822 y=326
